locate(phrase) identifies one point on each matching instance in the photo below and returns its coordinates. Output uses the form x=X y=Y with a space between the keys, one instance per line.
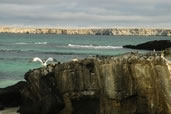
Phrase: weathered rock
x=127 y=84
x=167 y=53
x=42 y=97
x=157 y=45
x=10 y=96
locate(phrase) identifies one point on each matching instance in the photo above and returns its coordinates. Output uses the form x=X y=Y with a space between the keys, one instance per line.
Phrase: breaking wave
x=94 y=47
x=39 y=43
x=21 y=43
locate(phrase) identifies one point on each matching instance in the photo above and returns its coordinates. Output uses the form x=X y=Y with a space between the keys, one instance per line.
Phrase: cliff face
x=128 y=84
x=113 y=31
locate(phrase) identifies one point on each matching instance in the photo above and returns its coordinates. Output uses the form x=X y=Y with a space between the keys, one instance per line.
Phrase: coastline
x=131 y=83
x=64 y=87
x=91 y=31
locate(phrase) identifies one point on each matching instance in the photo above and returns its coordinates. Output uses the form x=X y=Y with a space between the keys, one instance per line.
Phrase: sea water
x=18 y=50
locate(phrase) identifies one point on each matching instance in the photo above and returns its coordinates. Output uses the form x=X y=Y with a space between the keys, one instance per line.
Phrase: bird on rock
x=35 y=59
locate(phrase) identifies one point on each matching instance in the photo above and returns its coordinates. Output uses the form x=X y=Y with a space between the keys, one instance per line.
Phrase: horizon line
x=90 y=27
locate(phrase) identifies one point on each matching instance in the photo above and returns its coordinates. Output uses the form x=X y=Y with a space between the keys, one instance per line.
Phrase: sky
x=86 y=13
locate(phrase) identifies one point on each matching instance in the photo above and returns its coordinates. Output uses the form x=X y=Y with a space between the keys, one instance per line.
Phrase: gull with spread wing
x=41 y=61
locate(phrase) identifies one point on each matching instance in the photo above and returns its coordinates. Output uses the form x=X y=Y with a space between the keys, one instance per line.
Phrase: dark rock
x=42 y=97
x=85 y=105
x=1 y=107
x=10 y=96
x=127 y=84
x=157 y=45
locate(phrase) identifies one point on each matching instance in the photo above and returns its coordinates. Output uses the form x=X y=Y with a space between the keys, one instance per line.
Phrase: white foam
x=21 y=43
x=40 y=43
x=94 y=47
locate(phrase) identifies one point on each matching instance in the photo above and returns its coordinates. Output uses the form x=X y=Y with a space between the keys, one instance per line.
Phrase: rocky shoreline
x=93 y=31
x=133 y=83
x=156 y=45
x=128 y=84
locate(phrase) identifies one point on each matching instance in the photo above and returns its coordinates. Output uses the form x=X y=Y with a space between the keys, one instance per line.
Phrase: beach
x=10 y=111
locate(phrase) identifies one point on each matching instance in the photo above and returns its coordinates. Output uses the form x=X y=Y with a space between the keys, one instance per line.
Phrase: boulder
x=40 y=95
x=128 y=84
x=157 y=45
x=10 y=96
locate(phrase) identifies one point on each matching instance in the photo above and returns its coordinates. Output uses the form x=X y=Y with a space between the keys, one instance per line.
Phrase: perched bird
x=75 y=59
x=42 y=62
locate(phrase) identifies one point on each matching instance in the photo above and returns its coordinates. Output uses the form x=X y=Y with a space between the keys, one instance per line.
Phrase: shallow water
x=18 y=50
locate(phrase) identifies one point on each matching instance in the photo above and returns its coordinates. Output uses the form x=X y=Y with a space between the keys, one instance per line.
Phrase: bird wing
x=49 y=59
x=37 y=59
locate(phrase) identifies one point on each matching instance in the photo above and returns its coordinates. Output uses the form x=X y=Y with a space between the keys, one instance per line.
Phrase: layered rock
x=95 y=31
x=127 y=84
x=157 y=45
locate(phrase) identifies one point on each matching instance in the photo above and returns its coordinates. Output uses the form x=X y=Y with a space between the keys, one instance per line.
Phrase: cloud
x=79 y=13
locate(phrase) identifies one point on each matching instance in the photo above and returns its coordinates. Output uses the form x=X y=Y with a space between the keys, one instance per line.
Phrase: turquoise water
x=18 y=50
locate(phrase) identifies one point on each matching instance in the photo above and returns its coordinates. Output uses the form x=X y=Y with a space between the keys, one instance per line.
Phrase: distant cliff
x=112 y=31
x=128 y=84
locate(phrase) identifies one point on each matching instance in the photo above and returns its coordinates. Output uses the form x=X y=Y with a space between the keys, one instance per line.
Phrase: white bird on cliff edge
x=41 y=61
x=75 y=59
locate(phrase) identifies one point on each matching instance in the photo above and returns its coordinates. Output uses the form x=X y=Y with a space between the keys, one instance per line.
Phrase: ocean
x=18 y=50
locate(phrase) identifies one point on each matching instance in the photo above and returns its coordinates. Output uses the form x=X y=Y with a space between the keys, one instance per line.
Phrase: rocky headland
x=88 y=31
x=132 y=83
x=157 y=45
x=127 y=84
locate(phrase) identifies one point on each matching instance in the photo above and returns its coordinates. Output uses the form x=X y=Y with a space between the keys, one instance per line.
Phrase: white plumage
x=75 y=59
x=41 y=61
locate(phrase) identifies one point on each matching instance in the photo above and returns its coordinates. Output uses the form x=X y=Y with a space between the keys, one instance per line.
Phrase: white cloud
x=154 y=13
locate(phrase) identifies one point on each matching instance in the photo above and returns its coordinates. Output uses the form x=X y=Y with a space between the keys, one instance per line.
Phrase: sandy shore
x=9 y=111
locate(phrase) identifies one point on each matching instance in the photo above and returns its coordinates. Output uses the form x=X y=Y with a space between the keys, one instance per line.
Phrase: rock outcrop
x=40 y=96
x=157 y=45
x=10 y=96
x=127 y=84
x=95 y=31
